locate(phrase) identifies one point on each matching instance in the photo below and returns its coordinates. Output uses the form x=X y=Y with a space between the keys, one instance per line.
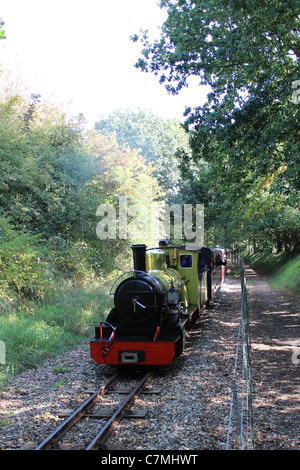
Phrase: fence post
x=237 y=414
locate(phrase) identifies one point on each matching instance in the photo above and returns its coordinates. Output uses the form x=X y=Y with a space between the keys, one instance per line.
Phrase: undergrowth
x=37 y=331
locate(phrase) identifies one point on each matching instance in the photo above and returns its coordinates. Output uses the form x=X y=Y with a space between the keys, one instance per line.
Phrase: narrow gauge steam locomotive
x=155 y=304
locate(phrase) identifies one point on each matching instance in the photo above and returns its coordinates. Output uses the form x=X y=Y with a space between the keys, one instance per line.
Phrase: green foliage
x=123 y=171
x=54 y=176
x=159 y=141
x=2 y=32
x=51 y=328
x=82 y=261
x=40 y=174
x=248 y=130
x=23 y=270
x=29 y=340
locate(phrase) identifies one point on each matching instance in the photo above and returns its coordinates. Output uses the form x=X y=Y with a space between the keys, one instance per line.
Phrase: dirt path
x=275 y=352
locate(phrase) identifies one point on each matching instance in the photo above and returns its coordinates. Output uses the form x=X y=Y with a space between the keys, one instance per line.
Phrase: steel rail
x=75 y=416
x=119 y=413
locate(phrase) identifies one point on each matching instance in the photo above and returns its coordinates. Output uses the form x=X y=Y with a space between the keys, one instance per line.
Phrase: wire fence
x=241 y=406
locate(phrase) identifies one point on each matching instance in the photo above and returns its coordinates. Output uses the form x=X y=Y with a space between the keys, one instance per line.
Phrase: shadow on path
x=275 y=352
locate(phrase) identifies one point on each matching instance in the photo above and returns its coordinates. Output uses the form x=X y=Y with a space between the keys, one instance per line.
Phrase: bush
x=24 y=271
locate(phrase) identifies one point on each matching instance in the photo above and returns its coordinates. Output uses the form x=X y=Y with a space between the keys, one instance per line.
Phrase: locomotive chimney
x=139 y=259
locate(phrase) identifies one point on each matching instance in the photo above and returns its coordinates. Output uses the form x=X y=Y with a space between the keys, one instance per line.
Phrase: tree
x=248 y=53
x=123 y=173
x=2 y=32
x=42 y=167
x=159 y=141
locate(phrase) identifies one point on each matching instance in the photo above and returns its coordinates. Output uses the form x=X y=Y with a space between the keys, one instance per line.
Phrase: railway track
x=90 y=409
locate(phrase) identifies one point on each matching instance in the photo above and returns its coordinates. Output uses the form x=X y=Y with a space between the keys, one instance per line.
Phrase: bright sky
x=80 y=51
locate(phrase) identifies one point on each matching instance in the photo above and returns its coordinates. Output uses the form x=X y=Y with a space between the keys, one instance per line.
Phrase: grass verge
x=288 y=277
x=29 y=336
x=283 y=272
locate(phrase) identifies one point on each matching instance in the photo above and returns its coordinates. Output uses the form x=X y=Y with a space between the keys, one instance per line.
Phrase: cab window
x=186 y=261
